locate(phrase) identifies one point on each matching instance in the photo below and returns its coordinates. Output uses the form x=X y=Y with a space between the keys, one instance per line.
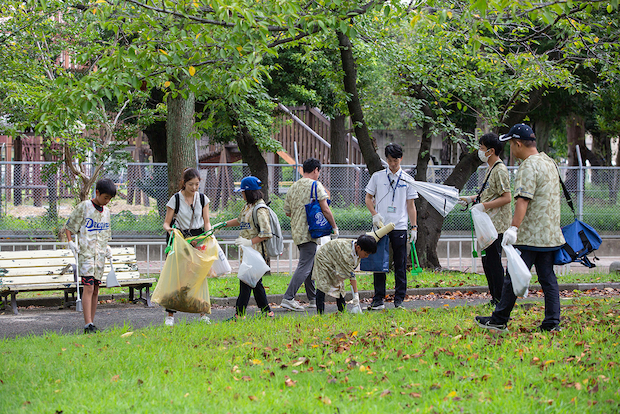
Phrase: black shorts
x=90 y=281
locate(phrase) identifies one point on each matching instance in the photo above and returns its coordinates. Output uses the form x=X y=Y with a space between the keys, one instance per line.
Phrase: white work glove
x=242 y=241
x=108 y=252
x=335 y=233
x=510 y=236
x=217 y=227
x=377 y=220
x=356 y=299
x=73 y=247
x=413 y=236
x=464 y=201
x=479 y=207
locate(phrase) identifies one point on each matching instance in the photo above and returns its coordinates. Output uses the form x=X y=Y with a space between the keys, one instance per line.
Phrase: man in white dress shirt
x=390 y=199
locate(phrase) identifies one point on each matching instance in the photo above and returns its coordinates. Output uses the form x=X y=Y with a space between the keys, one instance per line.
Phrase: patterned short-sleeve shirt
x=498 y=184
x=296 y=199
x=538 y=181
x=246 y=223
x=93 y=230
x=334 y=262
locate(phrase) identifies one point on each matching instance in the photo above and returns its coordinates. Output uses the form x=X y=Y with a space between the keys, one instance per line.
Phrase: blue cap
x=519 y=131
x=250 y=183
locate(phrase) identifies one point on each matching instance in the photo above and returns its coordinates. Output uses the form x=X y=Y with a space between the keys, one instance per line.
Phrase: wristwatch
x=414 y=227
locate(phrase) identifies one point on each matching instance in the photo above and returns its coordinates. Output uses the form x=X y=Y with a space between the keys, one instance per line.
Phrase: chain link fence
x=35 y=204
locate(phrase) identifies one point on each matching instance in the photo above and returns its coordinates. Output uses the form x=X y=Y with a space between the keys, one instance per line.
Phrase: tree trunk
x=156 y=134
x=575 y=135
x=543 y=134
x=254 y=158
x=52 y=189
x=367 y=143
x=338 y=140
x=181 y=152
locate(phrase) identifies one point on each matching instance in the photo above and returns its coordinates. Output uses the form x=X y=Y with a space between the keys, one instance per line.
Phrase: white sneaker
x=292 y=304
x=312 y=303
x=204 y=318
x=169 y=321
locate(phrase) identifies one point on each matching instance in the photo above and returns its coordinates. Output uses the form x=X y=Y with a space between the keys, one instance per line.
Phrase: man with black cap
x=535 y=228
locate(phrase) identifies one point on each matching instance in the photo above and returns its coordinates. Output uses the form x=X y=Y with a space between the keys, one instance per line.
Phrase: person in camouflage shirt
x=90 y=220
x=334 y=263
x=294 y=206
x=253 y=236
x=535 y=228
x=493 y=199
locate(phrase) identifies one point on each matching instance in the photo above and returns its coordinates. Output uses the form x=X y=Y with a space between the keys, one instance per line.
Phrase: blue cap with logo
x=519 y=131
x=250 y=183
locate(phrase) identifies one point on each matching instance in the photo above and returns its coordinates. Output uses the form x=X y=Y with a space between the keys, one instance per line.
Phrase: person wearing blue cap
x=535 y=228
x=252 y=234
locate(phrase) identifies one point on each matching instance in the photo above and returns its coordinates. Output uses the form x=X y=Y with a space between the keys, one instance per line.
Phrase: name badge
x=391 y=209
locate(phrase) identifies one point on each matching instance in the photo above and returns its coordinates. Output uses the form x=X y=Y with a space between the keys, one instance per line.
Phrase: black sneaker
x=548 y=328
x=376 y=306
x=399 y=306
x=91 y=329
x=485 y=322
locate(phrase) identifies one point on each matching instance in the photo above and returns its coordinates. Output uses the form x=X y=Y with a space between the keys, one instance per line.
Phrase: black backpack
x=177 y=201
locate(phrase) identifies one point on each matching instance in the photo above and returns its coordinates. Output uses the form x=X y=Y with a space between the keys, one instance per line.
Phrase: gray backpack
x=275 y=245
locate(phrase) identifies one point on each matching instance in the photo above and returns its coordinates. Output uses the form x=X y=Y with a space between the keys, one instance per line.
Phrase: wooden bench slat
x=60 y=286
x=56 y=271
x=66 y=278
x=57 y=261
x=35 y=254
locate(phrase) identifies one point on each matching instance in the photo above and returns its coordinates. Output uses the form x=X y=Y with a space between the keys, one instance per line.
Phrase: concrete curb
x=364 y=294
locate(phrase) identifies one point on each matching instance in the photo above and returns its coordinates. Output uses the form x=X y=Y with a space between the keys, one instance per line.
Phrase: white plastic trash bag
x=486 y=233
x=221 y=265
x=252 y=267
x=110 y=280
x=442 y=197
x=520 y=275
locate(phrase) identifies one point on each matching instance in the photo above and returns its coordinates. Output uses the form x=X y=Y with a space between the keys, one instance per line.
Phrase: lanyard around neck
x=387 y=172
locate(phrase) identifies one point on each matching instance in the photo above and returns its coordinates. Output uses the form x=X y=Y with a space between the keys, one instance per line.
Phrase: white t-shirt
x=391 y=193
x=184 y=219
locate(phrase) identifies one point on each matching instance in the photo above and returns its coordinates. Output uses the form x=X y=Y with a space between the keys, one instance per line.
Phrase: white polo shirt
x=391 y=193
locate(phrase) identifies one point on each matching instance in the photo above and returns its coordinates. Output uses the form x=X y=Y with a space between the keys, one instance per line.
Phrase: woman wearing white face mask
x=494 y=199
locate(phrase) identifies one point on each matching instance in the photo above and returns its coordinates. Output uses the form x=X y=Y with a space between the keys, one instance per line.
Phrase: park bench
x=46 y=270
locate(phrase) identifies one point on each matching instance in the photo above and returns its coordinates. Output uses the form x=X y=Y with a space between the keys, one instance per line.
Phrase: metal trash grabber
x=78 y=302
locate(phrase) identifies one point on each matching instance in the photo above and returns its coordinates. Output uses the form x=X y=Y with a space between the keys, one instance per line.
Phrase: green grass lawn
x=277 y=283
x=424 y=360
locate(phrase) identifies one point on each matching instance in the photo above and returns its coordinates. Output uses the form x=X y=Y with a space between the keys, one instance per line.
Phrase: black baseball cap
x=519 y=131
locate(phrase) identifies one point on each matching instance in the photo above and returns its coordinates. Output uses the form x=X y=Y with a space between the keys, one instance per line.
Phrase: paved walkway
x=44 y=317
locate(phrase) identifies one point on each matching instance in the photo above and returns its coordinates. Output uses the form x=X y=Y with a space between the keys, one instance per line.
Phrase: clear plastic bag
x=182 y=284
x=486 y=233
x=520 y=275
x=252 y=267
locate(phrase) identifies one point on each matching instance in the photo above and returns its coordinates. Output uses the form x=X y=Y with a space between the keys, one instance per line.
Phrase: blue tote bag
x=317 y=223
x=380 y=261
x=580 y=237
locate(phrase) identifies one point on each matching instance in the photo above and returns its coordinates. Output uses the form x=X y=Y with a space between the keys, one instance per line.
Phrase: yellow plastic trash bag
x=183 y=285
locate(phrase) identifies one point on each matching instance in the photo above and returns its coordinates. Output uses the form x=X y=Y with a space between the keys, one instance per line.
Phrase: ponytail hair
x=188 y=174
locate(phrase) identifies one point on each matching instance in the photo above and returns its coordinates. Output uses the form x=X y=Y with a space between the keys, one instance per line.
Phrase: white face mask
x=482 y=157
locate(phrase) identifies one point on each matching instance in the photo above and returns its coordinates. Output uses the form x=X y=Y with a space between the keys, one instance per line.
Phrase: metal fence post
x=581 y=184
